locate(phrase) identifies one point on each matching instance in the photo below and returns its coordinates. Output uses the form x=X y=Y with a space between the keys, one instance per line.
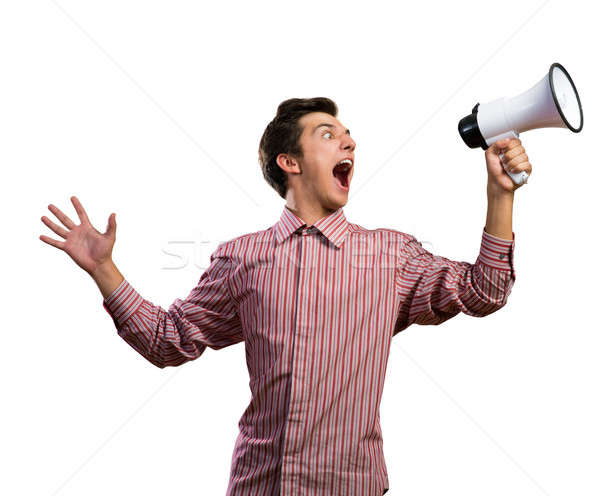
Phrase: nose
x=348 y=143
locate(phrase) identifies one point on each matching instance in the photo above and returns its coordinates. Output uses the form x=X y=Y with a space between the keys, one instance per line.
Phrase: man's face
x=325 y=143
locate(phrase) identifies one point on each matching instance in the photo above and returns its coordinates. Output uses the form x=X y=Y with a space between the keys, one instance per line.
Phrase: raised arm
x=207 y=317
x=433 y=289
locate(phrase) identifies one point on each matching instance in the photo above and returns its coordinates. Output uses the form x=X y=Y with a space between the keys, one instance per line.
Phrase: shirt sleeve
x=207 y=317
x=433 y=289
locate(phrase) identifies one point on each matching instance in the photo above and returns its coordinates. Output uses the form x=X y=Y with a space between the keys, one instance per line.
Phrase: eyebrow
x=328 y=125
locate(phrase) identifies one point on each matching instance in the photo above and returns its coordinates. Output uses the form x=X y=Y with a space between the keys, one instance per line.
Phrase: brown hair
x=282 y=135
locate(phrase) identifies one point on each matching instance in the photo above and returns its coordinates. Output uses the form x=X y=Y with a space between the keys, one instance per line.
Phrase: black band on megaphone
x=469 y=130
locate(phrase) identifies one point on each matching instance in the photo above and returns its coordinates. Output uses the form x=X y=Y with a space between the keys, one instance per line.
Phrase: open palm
x=88 y=247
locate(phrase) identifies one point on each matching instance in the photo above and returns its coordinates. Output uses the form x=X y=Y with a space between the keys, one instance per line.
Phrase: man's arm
x=499 y=214
x=208 y=317
x=500 y=188
x=433 y=288
x=107 y=277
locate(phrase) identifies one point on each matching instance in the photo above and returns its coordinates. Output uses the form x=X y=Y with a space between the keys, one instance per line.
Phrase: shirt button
x=502 y=255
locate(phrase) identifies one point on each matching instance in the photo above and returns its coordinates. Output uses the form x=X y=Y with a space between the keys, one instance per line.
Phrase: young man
x=316 y=300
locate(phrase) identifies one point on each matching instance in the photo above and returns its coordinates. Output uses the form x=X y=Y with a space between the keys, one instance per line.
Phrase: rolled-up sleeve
x=207 y=317
x=433 y=289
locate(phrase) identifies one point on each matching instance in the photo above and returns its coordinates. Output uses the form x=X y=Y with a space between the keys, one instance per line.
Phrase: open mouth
x=341 y=174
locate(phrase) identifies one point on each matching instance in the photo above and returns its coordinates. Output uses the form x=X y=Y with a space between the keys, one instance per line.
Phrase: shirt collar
x=333 y=226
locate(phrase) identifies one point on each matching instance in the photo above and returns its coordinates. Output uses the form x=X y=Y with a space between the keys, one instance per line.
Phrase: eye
x=327 y=132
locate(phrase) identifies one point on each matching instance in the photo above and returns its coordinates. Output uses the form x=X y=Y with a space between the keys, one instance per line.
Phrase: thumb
x=111 y=227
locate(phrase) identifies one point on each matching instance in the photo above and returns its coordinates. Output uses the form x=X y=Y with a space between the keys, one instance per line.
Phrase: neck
x=309 y=212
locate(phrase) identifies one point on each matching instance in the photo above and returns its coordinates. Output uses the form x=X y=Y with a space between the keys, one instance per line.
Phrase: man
x=316 y=300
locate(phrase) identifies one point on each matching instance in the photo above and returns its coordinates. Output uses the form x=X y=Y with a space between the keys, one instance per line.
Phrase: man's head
x=301 y=147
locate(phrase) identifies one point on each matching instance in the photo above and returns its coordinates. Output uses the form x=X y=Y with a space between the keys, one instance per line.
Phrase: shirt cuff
x=497 y=252
x=122 y=302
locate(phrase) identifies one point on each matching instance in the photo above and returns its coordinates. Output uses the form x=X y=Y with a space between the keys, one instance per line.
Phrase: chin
x=338 y=201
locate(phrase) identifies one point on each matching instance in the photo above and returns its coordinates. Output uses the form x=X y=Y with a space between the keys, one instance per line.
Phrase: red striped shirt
x=317 y=308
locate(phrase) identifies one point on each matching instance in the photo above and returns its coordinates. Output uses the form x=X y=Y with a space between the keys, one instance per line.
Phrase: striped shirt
x=317 y=307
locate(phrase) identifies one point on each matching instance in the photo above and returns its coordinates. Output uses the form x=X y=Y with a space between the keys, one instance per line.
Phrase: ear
x=288 y=163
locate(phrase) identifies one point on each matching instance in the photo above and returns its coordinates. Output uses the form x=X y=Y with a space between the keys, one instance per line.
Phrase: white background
x=154 y=110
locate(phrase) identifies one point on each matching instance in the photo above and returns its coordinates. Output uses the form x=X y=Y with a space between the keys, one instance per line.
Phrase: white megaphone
x=553 y=102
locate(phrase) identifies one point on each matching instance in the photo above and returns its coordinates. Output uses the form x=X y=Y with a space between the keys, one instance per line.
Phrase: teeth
x=346 y=161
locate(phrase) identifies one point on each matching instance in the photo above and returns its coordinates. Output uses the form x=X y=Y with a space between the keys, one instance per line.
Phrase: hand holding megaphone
x=552 y=102
x=507 y=156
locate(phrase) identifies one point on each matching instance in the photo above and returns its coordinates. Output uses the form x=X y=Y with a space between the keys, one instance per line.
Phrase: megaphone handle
x=518 y=177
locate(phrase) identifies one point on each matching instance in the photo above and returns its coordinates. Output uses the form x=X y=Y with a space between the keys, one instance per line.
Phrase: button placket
x=292 y=427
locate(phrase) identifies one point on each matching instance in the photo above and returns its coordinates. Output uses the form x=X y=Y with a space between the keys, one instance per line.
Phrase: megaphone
x=552 y=102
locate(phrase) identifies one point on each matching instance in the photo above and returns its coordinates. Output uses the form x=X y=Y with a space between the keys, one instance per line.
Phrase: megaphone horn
x=552 y=102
